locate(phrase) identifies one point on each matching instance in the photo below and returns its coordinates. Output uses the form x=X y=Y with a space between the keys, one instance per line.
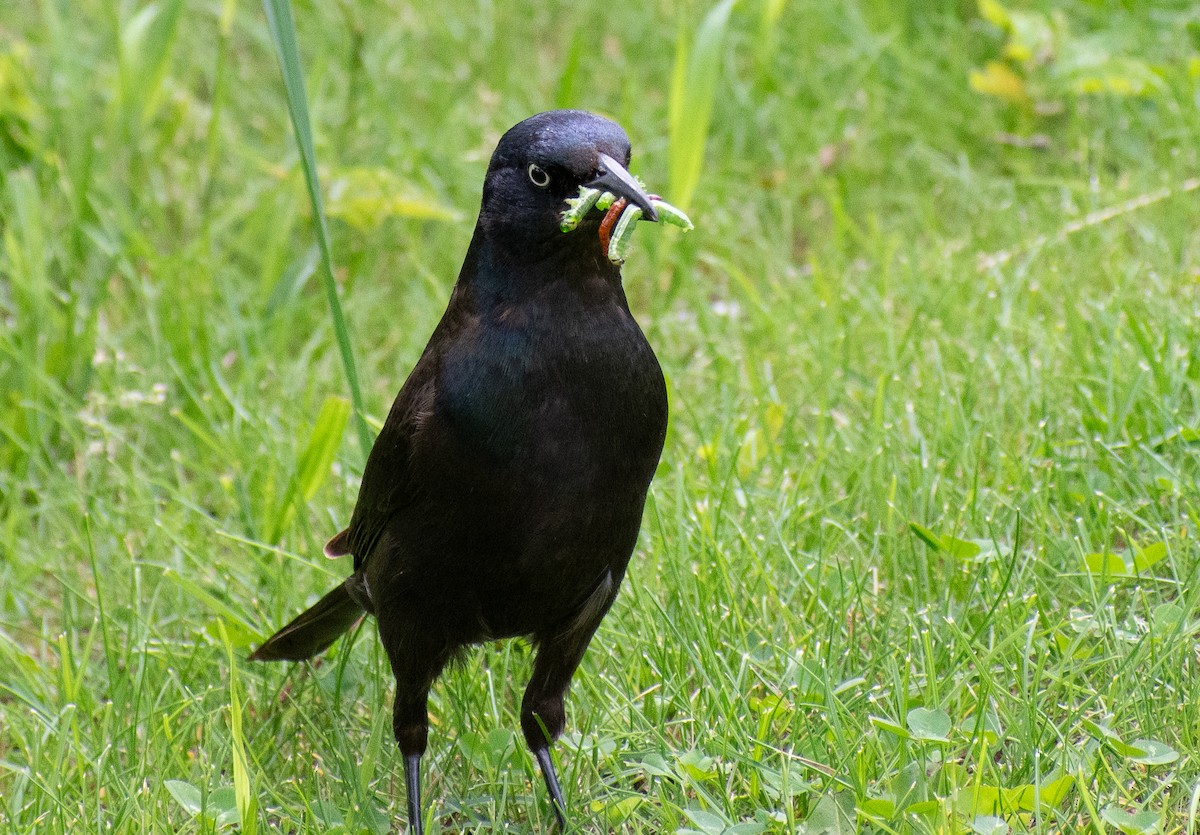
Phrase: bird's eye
x=538 y=175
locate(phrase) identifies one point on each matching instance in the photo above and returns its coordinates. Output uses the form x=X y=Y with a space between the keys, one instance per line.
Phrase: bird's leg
x=542 y=714
x=412 y=784
x=410 y=724
x=551 y=777
x=416 y=661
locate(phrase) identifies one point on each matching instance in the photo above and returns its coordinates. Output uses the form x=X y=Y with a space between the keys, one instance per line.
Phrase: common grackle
x=504 y=494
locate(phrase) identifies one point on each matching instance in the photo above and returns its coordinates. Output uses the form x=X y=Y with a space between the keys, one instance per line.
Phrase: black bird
x=504 y=494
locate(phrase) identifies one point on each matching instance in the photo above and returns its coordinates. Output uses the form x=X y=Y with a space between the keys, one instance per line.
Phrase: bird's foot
x=412 y=782
x=551 y=778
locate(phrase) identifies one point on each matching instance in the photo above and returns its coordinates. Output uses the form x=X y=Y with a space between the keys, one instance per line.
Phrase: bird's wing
x=387 y=482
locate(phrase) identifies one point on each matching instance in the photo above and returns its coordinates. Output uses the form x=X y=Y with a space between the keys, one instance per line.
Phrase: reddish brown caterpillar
x=610 y=220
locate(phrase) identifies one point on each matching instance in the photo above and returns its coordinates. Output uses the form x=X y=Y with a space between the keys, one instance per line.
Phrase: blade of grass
x=144 y=49
x=312 y=468
x=246 y=799
x=283 y=34
x=693 y=88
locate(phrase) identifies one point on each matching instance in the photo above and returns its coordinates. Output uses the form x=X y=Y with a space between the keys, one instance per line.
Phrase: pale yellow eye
x=538 y=175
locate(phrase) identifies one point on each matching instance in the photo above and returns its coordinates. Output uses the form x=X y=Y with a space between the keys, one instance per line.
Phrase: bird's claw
x=542 y=755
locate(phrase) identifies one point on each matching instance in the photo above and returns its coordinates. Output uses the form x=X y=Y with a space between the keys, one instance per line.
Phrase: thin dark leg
x=412 y=781
x=543 y=716
x=415 y=666
x=410 y=724
x=551 y=778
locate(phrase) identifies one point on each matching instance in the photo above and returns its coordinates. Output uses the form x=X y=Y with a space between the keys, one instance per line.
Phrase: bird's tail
x=315 y=630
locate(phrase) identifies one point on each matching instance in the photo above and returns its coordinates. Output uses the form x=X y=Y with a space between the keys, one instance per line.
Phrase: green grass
x=872 y=588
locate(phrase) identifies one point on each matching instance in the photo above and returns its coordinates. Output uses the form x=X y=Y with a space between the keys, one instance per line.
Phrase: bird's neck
x=511 y=272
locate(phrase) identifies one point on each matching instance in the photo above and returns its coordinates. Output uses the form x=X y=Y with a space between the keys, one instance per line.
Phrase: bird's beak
x=612 y=177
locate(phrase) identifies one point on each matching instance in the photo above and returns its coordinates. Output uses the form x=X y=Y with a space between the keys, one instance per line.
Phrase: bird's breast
x=577 y=386
x=531 y=468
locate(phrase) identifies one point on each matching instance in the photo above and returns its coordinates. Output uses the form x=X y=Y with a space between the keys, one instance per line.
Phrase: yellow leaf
x=997 y=79
x=994 y=13
x=773 y=419
x=365 y=197
x=751 y=453
x=1017 y=51
x=1117 y=85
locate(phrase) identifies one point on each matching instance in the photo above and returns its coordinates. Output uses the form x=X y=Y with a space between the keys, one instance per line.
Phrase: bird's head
x=542 y=162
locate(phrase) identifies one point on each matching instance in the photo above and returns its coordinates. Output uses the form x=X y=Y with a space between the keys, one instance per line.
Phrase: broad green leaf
x=488 y=752
x=1030 y=798
x=879 y=807
x=746 y=828
x=697 y=766
x=615 y=813
x=1165 y=618
x=186 y=795
x=889 y=726
x=993 y=800
x=929 y=725
x=772 y=704
x=328 y=813
x=1153 y=752
x=709 y=823
x=989 y=825
x=1145 y=822
x=922 y=807
x=908 y=787
x=239 y=635
x=223 y=801
x=656 y=766
x=976 y=800
x=501 y=745
x=1053 y=792
x=1143 y=558
x=833 y=815
x=992 y=731
x=1106 y=565
x=1110 y=737
x=963 y=549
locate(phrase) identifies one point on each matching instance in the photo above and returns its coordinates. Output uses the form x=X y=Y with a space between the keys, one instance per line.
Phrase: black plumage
x=504 y=495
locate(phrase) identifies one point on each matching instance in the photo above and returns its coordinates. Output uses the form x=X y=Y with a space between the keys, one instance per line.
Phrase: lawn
x=921 y=555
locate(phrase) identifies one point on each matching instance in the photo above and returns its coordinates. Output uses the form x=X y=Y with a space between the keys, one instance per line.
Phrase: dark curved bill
x=613 y=178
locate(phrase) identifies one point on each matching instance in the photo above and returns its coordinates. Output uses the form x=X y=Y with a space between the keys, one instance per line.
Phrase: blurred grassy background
x=921 y=554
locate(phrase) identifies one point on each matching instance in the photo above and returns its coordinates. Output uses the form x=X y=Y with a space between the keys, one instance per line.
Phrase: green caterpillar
x=618 y=243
